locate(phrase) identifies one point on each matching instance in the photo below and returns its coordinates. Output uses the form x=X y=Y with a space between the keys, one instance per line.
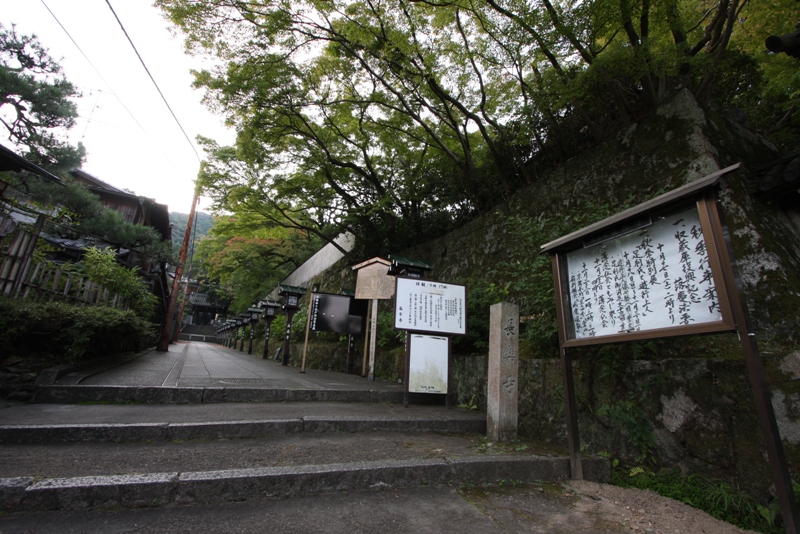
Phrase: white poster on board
x=428 y=364
x=425 y=306
x=656 y=277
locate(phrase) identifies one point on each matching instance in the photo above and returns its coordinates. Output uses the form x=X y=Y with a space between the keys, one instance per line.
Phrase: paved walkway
x=196 y=364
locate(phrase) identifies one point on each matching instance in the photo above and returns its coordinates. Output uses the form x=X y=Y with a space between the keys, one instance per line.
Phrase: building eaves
x=11 y=161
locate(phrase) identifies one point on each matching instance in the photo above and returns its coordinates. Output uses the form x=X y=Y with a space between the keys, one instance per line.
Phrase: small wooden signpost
x=663 y=268
x=373 y=282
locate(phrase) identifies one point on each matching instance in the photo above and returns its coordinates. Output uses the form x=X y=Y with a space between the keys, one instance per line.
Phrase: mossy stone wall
x=682 y=402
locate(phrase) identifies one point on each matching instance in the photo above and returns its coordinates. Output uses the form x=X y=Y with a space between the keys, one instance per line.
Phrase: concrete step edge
x=161 y=489
x=208 y=430
x=72 y=394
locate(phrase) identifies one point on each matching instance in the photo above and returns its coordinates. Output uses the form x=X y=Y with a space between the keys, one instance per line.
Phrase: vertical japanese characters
x=657 y=277
x=426 y=306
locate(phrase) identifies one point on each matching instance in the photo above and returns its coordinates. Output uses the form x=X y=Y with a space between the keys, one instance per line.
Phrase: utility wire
x=153 y=80
x=107 y=84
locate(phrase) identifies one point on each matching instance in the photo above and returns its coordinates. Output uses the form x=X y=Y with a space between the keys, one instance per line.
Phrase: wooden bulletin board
x=663 y=268
x=659 y=279
x=654 y=270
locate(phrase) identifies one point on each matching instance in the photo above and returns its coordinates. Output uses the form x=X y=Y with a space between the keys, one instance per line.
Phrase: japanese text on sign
x=658 y=277
x=426 y=306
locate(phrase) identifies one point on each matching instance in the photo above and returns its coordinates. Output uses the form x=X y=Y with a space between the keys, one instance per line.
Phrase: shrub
x=101 y=267
x=67 y=333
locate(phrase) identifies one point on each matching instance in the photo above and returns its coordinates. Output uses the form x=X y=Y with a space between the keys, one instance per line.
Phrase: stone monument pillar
x=502 y=407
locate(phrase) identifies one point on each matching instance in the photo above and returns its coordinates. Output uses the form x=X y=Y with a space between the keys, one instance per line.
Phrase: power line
x=153 y=79
x=107 y=84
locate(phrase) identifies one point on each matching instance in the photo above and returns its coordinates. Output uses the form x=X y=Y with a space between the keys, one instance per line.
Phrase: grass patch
x=718 y=498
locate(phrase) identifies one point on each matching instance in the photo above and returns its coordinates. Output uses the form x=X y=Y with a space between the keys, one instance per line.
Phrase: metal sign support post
x=570 y=406
x=351 y=350
x=407 y=369
x=571 y=413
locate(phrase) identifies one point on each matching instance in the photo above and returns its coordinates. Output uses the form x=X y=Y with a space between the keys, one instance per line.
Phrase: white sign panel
x=425 y=306
x=656 y=277
x=428 y=363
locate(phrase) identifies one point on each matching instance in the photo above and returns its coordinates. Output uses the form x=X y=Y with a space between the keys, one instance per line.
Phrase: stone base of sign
x=502 y=404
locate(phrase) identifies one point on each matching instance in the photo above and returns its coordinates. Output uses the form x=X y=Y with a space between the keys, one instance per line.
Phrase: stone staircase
x=193 y=332
x=91 y=447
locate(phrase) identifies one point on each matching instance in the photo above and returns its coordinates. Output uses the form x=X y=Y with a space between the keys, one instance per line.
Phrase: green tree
x=101 y=266
x=245 y=256
x=35 y=103
x=391 y=119
x=76 y=212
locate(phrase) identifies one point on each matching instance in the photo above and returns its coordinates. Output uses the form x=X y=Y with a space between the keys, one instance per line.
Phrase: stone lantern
x=244 y=320
x=255 y=313
x=291 y=303
x=270 y=309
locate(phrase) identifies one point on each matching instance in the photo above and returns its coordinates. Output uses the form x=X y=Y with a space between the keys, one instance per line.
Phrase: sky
x=131 y=138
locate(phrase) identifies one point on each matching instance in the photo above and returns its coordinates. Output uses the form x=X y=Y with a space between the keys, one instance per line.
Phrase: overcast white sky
x=155 y=159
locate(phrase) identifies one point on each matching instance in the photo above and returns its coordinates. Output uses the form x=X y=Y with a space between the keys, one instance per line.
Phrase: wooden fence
x=44 y=281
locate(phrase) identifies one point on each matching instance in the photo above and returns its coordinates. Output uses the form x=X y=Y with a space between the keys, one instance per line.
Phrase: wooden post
x=571 y=412
x=755 y=368
x=308 y=326
x=373 y=339
x=502 y=393
x=172 y=308
x=366 y=340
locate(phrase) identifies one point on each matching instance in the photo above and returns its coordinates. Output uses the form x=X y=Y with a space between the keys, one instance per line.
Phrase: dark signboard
x=338 y=313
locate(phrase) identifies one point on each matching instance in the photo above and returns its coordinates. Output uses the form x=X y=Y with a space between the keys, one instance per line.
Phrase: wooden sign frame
x=734 y=317
x=706 y=211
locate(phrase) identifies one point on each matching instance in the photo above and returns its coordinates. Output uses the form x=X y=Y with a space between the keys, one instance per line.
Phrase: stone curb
x=160 y=489
x=71 y=394
x=164 y=431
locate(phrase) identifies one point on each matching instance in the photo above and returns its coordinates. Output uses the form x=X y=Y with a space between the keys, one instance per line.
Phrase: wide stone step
x=205 y=487
x=165 y=431
x=71 y=457
x=41 y=423
x=70 y=394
